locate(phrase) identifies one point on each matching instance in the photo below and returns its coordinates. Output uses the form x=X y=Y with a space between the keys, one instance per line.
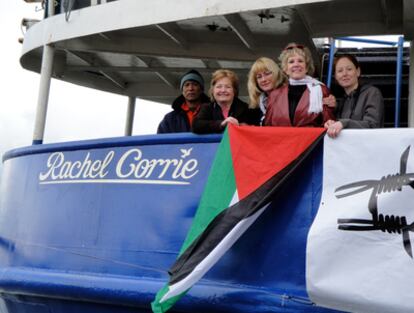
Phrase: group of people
x=284 y=95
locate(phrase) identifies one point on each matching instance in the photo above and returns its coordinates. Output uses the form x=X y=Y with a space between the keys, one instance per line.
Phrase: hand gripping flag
x=250 y=165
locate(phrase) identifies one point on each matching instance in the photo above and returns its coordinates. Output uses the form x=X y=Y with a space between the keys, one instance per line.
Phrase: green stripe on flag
x=217 y=195
x=161 y=307
x=219 y=191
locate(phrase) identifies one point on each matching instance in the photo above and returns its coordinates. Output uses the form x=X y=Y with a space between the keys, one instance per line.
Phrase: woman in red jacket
x=304 y=101
x=264 y=76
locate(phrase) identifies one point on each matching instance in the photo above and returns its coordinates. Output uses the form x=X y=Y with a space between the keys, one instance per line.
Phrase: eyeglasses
x=301 y=47
x=262 y=75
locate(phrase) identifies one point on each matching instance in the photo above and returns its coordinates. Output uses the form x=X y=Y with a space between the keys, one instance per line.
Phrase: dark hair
x=350 y=57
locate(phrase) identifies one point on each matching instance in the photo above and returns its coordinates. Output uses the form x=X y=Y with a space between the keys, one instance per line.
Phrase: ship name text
x=130 y=167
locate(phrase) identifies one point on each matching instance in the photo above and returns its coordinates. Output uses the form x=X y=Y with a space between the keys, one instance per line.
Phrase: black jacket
x=176 y=121
x=209 y=119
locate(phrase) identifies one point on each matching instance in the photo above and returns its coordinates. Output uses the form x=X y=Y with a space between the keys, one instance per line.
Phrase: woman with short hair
x=225 y=107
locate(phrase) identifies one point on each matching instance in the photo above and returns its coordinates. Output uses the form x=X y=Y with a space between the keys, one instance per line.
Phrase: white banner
x=360 y=246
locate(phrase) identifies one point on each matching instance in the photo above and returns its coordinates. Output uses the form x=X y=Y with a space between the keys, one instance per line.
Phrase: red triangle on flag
x=258 y=153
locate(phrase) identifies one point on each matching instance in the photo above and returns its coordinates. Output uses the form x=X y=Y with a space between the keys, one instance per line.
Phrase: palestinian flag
x=250 y=165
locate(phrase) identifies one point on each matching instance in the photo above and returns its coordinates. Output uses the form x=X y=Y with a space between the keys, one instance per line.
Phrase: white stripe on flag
x=235 y=198
x=213 y=257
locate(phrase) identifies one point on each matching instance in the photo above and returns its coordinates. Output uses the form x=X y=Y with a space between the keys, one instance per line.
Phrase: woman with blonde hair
x=264 y=76
x=225 y=107
x=304 y=101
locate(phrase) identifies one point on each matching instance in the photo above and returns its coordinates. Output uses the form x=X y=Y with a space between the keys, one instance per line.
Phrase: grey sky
x=74 y=113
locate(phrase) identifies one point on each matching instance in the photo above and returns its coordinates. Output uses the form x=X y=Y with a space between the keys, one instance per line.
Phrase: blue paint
x=106 y=247
x=37 y=141
x=178 y=138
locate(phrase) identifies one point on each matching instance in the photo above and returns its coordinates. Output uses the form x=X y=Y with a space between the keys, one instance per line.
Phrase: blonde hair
x=262 y=64
x=219 y=74
x=296 y=49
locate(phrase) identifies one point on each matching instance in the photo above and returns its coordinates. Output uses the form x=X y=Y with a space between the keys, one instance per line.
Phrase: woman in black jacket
x=225 y=108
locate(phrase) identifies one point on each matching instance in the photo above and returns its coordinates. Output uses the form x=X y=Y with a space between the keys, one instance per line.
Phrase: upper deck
x=141 y=48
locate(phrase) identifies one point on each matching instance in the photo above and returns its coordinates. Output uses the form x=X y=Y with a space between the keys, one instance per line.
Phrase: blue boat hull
x=94 y=226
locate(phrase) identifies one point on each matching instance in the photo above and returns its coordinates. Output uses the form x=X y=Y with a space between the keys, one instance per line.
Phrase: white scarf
x=263 y=106
x=315 y=92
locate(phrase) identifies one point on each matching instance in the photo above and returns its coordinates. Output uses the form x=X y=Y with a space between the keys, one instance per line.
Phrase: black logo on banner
x=385 y=223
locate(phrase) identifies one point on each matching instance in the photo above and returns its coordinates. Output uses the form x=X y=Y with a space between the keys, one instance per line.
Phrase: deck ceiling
x=147 y=61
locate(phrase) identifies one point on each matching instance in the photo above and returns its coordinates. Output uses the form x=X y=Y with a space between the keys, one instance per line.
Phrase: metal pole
x=365 y=40
x=398 y=81
x=130 y=116
x=44 y=86
x=411 y=87
x=331 y=59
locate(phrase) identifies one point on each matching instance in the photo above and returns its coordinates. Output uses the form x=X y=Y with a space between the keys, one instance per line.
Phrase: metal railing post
x=44 y=87
x=130 y=116
x=411 y=87
x=331 y=59
x=398 y=80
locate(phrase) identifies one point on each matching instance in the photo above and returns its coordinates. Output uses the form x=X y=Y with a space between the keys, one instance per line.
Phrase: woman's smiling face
x=296 y=67
x=223 y=91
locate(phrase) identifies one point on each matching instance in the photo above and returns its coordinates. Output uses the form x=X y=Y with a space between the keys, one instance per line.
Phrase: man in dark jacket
x=186 y=106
